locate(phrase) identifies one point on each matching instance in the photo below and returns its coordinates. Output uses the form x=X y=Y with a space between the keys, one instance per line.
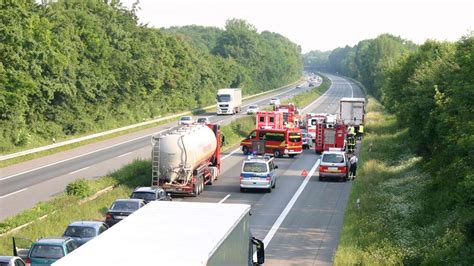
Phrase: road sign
x=304 y=173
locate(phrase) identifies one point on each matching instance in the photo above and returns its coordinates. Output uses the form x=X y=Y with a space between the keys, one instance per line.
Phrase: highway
x=307 y=231
x=24 y=184
x=300 y=221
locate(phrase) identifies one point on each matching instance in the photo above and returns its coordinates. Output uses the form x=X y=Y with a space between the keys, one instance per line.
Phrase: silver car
x=334 y=164
x=258 y=172
x=11 y=261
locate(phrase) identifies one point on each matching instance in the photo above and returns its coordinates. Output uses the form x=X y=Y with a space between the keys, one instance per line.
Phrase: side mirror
x=260 y=250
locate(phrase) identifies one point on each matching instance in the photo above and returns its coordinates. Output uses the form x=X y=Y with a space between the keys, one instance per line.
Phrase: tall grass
x=391 y=226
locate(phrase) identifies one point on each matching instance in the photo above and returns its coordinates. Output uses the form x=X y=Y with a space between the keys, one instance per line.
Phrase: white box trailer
x=174 y=233
x=229 y=101
x=352 y=111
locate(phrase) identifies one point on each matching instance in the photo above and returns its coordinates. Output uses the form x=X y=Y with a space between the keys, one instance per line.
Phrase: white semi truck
x=229 y=101
x=352 y=111
x=174 y=233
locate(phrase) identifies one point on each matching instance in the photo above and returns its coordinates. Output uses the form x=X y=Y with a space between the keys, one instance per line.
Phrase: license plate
x=256 y=178
x=119 y=217
x=332 y=169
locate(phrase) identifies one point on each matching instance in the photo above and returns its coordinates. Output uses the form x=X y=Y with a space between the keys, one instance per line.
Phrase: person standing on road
x=353 y=166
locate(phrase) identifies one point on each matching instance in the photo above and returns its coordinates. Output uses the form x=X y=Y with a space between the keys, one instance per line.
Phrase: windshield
x=333 y=158
x=47 y=252
x=295 y=137
x=124 y=206
x=202 y=120
x=148 y=196
x=255 y=167
x=79 y=231
x=223 y=98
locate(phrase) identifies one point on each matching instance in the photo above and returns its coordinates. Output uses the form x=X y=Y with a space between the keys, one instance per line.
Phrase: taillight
x=269 y=177
x=108 y=216
x=27 y=260
x=323 y=168
x=343 y=169
x=241 y=178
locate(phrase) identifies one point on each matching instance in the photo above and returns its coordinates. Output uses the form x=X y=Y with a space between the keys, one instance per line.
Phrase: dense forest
x=79 y=66
x=430 y=88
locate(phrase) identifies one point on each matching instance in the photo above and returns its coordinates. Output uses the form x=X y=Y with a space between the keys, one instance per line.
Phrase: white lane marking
x=232 y=152
x=115 y=145
x=13 y=193
x=226 y=197
x=125 y=154
x=82 y=169
x=352 y=90
x=288 y=207
x=79 y=156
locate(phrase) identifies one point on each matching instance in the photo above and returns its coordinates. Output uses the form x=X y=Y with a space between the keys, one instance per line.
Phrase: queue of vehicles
x=187 y=158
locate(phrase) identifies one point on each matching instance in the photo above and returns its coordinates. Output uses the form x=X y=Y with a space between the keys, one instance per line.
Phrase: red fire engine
x=329 y=132
x=291 y=115
x=269 y=120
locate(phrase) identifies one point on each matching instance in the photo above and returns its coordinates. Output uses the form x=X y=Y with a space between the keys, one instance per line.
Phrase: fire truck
x=329 y=132
x=279 y=138
x=291 y=114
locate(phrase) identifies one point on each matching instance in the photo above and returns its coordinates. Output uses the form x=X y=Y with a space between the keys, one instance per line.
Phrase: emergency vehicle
x=291 y=114
x=329 y=132
x=278 y=141
x=269 y=120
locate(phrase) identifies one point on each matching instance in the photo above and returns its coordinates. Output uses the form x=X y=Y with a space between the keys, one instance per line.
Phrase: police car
x=258 y=172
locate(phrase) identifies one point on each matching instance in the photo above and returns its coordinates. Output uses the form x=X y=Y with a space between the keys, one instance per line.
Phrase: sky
x=320 y=25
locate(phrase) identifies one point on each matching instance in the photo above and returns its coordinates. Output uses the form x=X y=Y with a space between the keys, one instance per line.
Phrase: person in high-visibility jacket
x=351 y=130
x=361 y=129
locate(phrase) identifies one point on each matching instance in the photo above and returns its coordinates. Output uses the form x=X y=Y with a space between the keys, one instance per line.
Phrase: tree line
x=430 y=88
x=80 y=66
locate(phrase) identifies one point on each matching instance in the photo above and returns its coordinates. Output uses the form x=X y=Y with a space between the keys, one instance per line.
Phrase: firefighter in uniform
x=351 y=140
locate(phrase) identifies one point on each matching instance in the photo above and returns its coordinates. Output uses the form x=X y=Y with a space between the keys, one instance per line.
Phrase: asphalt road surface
x=24 y=184
x=300 y=221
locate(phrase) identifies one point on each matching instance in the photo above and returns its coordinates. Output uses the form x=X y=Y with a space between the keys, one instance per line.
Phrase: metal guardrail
x=92 y=136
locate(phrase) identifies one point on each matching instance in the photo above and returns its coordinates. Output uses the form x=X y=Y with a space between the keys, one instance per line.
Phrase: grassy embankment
x=395 y=223
x=138 y=173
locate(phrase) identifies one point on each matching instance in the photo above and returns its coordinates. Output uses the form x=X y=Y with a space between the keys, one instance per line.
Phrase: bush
x=79 y=187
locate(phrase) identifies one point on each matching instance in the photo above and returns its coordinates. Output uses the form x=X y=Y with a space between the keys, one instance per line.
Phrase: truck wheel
x=201 y=184
x=276 y=153
x=195 y=190
x=245 y=150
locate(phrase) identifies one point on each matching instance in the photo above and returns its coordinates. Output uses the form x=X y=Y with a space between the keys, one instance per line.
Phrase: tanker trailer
x=186 y=158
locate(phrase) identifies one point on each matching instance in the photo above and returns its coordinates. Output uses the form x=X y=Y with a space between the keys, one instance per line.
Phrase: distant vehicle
x=352 y=111
x=122 y=208
x=334 y=164
x=186 y=120
x=44 y=251
x=83 y=231
x=203 y=120
x=11 y=261
x=175 y=233
x=275 y=101
x=150 y=194
x=229 y=101
x=252 y=109
x=258 y=172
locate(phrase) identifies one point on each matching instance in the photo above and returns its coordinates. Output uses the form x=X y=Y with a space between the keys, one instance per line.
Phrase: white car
x=186 y=120
x=252 y=109
x=203 y=120
x=275 y=101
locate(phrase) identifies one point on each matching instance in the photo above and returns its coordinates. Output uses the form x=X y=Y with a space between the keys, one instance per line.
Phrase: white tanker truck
x=186 y=158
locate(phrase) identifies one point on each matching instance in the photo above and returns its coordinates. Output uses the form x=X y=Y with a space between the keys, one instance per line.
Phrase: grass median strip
x=64 y=209
x=392 y=226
